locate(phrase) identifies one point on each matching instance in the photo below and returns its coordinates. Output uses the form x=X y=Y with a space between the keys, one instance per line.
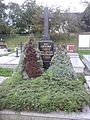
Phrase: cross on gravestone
x=46 y=17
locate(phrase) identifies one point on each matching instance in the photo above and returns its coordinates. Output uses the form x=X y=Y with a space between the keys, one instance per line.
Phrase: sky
x=74 y=5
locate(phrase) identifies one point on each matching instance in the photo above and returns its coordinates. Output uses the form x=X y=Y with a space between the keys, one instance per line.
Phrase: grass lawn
x=84 y=52
x=15 y=40
x=6 y=72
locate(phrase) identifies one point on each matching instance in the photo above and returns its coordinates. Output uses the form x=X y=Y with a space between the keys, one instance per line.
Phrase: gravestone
x=46 y=46
x=84 y=41
x=71 y=48
x=2 y=44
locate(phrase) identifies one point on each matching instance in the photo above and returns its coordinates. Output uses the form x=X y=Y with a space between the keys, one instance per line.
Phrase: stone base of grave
x=77 y=64
x=73 y=55
x=11 y=66
x=87 y=78
x=10 y=115
x=86 y=60
x=9 y=61
x=4 y=52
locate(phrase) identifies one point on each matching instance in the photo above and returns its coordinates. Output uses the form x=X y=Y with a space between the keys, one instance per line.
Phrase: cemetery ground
x=46 y=93
x=15 y=40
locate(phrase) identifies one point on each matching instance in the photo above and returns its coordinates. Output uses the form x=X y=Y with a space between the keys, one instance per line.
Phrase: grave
x=73 y=55
x=46 y=46
x=71 y=48
x=3 y=48
x=2 y=44
x=9 y=61
x=87 y=78
x=77 y=64
x=86 y=60
x=4 y=51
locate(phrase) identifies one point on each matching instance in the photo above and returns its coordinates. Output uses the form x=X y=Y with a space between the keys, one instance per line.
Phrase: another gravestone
x=2 y=44
x=84 y=41
x=46 y=46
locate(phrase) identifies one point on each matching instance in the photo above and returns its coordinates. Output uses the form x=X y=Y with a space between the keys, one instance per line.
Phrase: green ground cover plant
x=6 y=72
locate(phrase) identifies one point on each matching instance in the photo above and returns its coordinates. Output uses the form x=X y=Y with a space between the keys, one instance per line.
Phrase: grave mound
x=47 y=93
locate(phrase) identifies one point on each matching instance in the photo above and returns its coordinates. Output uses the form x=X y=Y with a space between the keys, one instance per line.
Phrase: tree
x=3 y=14
x=74 y=23
x=30 y=67
x=29 y=9
x=86 y=18
x=37 y=25
x=57 y=21
x=61 y=66
x=14 y=13
x=4 y=28
x=66 y=22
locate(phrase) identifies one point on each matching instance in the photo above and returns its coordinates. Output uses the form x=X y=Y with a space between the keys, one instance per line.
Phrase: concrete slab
x=9 y=61
x=88 y=80
x=6 y=59
x=14 y=62
x=86 y=60
x=73 y=55
x=87 y=57
x=2 y=78
x=13 y=55
x=3 y=51
x=13 y=115
x=77 y=65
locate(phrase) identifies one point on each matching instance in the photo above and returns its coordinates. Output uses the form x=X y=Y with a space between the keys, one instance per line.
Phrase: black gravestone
x=46 y=46
x=47 y=52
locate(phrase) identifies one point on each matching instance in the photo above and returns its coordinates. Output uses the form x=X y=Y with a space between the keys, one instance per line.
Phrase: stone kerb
x=10 y=115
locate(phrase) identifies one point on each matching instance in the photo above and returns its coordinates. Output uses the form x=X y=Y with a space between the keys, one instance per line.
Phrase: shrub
x=30 y=64
x=61 y=65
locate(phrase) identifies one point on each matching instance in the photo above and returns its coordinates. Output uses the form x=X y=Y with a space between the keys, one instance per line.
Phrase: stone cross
x=46 y=28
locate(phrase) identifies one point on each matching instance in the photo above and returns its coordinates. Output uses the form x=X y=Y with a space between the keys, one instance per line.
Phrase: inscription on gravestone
x=46 y=46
